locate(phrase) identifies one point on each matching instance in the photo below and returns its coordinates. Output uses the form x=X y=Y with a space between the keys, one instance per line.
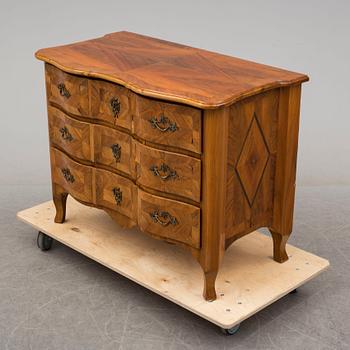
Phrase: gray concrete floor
x=62 y=300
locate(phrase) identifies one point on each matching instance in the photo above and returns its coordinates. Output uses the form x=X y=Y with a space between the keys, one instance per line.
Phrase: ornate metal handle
x=114 y=103
x=163 y=124
x=117 y=152
x=118 y=195
x=163 y=218
x=68 y=175
x=66 y=135
x=63 y=90
x=164 y=169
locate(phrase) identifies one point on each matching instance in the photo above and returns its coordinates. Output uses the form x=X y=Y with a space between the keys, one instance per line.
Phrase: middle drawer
x=168 y=172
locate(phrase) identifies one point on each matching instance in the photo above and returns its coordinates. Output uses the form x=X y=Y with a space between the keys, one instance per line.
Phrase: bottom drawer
x=75 y=178
x=169 y=219
x=115 y=192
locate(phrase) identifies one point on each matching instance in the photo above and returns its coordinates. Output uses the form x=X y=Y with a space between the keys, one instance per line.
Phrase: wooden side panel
x=66 y=90
x=75 y=178
x=115 y=192
x=168 y=172
x=110 y=103
x=251 y=163
x=168 y=124
x=113 y=148
x=169 y=219
x=71 y=135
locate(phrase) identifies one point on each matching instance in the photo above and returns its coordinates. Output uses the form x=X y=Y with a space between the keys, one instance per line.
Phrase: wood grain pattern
x=287 y=145
x=215 y=134
x=76 y=100
x=251 y=163
x=114 y=149
x=101 y=95
x=182 y=127
x=166 y=70
x=168 y=172
x=69 y=134
x=106 y=184
x=186 y=229
x=80 y=185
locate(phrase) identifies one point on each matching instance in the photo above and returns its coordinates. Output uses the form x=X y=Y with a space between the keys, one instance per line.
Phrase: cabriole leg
x=60 y=199
x=279 y=246
x=209 y=292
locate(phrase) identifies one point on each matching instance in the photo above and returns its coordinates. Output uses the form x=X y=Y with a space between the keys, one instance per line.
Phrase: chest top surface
x=166 y=70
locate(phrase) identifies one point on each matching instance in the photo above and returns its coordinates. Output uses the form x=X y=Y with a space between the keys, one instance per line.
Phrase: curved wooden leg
x=209 y=292
x=279 y=246
x=60 y=199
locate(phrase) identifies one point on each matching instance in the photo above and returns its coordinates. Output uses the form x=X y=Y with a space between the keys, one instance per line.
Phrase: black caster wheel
x=231 y=331
x=44 y=241
x=293 y=291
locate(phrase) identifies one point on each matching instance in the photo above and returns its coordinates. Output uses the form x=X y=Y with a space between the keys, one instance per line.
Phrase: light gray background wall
x=305 y=36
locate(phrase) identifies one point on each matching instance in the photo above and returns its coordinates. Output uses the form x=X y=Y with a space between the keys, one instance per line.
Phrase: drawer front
x=168 y=124
x=113 y=148
x=168 y=172
x=115 y=192
x=68 y=91
x=169 y=219
x=75 y=178
x=71 y=135
x=110 y=103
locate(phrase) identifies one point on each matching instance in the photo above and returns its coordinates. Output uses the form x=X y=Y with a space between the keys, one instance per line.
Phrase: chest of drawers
x=193 y=147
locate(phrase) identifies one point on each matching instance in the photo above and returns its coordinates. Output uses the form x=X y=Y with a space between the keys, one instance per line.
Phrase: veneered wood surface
x=77 y=102
x=286 y=162
x=104 y=140
x=106 y=182
x=215 y=134
x=69 y=134
x=185 y=120
x=182 y=174
x=252 y=135
x=81 y=186
x=248 y=281
x=101 y=94
x=187 y=226
x=167 y=70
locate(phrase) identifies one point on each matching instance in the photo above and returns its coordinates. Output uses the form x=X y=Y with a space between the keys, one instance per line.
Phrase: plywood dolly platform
x=249 y=279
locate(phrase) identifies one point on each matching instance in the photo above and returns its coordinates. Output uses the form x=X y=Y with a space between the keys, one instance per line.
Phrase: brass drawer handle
x=164 y=172
x=63 y=90
x=66 y=135
x=114 y=103
x=163 y=124
x=163 y=218
x=118 y=195
x=117 y=152
x=68 y=175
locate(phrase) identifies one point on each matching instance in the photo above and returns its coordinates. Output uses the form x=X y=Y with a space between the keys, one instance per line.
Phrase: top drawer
x=168 y=124
x=91 y=98
x=68 y=91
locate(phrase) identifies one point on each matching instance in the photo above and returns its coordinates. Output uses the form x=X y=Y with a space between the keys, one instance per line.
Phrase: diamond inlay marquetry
x=252 y=160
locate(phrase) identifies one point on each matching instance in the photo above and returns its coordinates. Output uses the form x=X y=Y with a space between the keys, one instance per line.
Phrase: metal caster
x=231 y=331
x=44 y=241
x=293 y=291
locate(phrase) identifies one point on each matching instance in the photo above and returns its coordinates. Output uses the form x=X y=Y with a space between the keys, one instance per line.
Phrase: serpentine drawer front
x=193 y=147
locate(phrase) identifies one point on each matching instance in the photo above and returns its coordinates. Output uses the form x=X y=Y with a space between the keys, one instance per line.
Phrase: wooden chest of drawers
x=193 y=147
